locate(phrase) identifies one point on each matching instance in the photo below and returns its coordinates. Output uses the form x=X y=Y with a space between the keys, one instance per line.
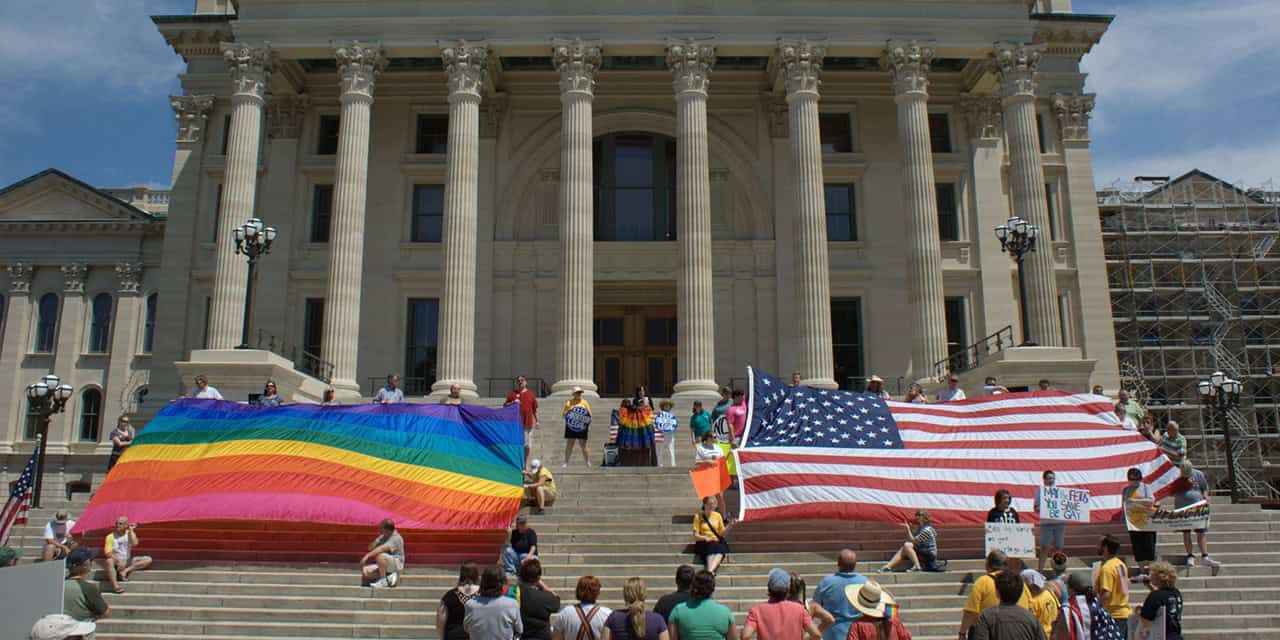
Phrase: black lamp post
x=1018 y=238
x=47 y=398
x=1222 y=394
x=253 y=240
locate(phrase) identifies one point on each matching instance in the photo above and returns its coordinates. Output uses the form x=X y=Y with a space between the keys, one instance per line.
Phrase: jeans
x=511 y=560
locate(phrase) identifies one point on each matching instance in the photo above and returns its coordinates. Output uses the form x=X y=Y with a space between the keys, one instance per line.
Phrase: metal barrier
x=539 y=386
x=971 y=357
x=302 y=360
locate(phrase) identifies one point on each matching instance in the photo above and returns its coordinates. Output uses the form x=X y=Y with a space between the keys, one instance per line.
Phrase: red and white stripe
x=14 y=513
x=955 y=457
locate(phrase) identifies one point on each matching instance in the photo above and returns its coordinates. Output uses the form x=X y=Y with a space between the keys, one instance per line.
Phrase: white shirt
x=50 y=534
x=950 y=395
x=708 y=454
x=387 y=395
x=208 y=393
x=568 y=622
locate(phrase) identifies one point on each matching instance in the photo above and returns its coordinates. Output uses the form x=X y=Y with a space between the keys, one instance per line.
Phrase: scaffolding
x=1195 y=288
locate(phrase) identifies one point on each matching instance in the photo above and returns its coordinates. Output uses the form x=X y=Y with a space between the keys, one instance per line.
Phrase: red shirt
x=781 y=620
x=528 y=405
x=862 y=629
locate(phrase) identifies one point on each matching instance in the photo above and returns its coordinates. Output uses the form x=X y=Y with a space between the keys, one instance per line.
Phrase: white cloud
x=1254 y=162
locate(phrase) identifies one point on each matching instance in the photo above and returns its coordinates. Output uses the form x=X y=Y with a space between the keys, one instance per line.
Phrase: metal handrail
x=411 y=386
x=539 y=385
x=303 y=361
x=971 y=357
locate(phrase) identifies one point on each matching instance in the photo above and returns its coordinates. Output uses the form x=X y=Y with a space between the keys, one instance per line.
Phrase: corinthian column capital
x=1015 y=67
x=908 y=65
x=984 y=116
x=797 y=65
x=577 y=61
x=191 y=112
x=691 y=62
x=129 y=274
x=20 y=276
x=250 y=67
x=466 y=64
x=358 y=67
x=73 y=277
x=1072 y=111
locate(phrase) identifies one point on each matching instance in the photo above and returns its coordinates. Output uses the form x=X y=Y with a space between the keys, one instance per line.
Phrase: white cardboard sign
x=1064 y=504
x=1016 y=540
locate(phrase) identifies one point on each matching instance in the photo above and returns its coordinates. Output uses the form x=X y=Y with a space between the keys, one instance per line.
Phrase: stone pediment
x=53 y=196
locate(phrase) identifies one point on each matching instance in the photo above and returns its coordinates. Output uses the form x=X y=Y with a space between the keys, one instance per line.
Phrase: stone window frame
x=850 y=107
x=411 y=129
x=952 y=134
x=33 y=343
x=853 y=174
x=143 y=325
x=80 y=413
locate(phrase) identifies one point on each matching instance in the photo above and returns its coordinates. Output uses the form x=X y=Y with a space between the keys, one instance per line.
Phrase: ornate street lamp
x=1018 y=238
x=253 y=240
x=46 y=398
x=1222 y=394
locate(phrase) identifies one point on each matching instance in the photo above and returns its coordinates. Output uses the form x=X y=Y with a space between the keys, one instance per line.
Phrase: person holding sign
x=577 y=420
x=666 y=424
x=1053 y=533
x=1138 y=494
x=1003 y=512
x=1192 y=487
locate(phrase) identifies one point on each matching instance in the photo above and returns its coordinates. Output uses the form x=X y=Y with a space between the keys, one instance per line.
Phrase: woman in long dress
x=635 y=435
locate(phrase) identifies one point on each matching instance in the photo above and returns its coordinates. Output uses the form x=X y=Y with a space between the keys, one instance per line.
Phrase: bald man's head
x=847 y=561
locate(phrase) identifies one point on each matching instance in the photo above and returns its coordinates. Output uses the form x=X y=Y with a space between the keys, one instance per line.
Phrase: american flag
x=15 y=510
x=818 y=454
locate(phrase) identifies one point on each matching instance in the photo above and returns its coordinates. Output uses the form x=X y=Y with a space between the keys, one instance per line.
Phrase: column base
x=563 y=389
x=690 y=390
x=345 y=389
x=821 y=383
x=440 y=389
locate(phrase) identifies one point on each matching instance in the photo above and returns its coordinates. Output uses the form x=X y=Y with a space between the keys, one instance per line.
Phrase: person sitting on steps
x=539 y=486
x=385 y=560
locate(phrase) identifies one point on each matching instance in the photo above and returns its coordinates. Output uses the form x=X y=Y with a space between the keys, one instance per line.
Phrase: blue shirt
x=830 y=595
x=389 y=395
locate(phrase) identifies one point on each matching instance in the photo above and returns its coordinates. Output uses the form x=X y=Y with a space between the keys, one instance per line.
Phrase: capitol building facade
x=607 y=194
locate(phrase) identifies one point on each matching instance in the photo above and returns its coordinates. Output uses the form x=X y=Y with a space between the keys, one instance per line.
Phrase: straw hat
x=868 y=598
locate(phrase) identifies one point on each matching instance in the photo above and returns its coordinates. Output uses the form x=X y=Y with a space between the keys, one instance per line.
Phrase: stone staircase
x=620 y=522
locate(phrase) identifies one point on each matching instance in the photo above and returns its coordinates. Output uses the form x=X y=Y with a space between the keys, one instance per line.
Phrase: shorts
x=702 y=549
x=58 y=553
x=930 y=562
x=575 y=435
x=1144 y=545
x=1053 y=534
x=396 y=564
x=528 y=436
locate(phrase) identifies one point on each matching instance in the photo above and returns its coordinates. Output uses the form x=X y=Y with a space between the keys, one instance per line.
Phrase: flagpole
x=39 y=482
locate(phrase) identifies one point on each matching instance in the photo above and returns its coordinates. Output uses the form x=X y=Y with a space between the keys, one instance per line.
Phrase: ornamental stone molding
x=250 y=66
x=129 y=275
x=466 y=65
x=285 y=115
x=908 y=65
x=1073 y=113
x=359 y=65
x=20 y=276
x=191 y=112
x=73 y=277
x=577 y=61
x=691 y=62
x=1015 y=67
x=797 y=65
x=984 y=116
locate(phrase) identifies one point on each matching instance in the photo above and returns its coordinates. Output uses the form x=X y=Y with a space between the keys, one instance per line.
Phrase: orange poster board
x=710 y=480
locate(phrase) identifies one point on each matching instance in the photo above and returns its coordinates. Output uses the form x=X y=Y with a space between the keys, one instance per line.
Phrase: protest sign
x=710 y=479
x=1015 y=540
x=577 y=419
x=1192 y=516
x=1064 y=504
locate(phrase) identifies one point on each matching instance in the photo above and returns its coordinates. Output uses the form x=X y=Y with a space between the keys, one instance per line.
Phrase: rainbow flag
x=426 y=467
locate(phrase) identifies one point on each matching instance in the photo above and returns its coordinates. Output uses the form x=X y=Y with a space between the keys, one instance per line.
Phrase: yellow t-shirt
x=571 y=404
x=984 y=595
x=1044 y=607
x=550 y=483
x=1113 y=577
x=701 y=522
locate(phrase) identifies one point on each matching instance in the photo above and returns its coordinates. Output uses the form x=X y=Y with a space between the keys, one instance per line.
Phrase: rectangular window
x=433 y=133
x=1051 y=210
x=608 y=332
x=217 y=213
x=421 y=332
x=836 y=132
x=321 y=209
x=948 y=212
x=32 y=427
x=1040 y=133
x=428 y=213
x=842 y=220
x=1064 y=320
x=940 y=132
x=957 y=333
x=660 y=332
x=846 y=341
x=226 y=133
x=90 y=414
x=313 y=326
x=149 y=324
x=327 y=136
x=208 y=306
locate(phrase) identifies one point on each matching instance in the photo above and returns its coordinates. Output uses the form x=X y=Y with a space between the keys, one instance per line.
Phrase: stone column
x=691 y=62
x=13 y=350
x=250 y=68
x=124 y=345
x=797 y=65
x=455 y=355
x=908 y=67
x=1015 y=68
x=280 y=315
x=577 y=62
x=71 y=343
x=984 y=119
x=358 y=68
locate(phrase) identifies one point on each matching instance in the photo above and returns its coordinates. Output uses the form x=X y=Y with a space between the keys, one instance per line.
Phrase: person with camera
x=120 y=563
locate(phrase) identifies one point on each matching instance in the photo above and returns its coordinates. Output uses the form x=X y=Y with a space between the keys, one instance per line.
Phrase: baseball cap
x=80 y=555
x=535 y=464
x=61 y=517
x=58 y=626
x=1033 y=578
x=779 y=578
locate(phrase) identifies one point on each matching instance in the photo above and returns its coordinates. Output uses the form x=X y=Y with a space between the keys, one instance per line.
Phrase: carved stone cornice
x=20 y=276
x=577 y=61
x=491 y=114
x=1015 y=67
x=691 y=62
x=285 y=115
x=191 y=112
x=73 y=277
x=797 y=65
x=359 y=65
x=1073 y=113
x=129 y=275
x=466 y=65
x=984 y=116
x=250 y=67
x=908 y=65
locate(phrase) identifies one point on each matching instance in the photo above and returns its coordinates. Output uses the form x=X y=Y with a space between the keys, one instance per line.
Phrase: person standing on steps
x=1111 y=582
x=635 y=434
x=385 y=560
x=779 y=618
x=666 y=424
x=1003 y=512
x=1138 y=494
x=1192 y=487
x=708 y=535
x=876 y=621
x=709 y=453
x=718 y=412
x=1044 y=605
x=454 y=397
x=453 y=605
x=577 y=423
x=737 y=417
x=635 y=623
x=1053 y=534
x=702 y=618
x=1008 y=620
x=984 y=594
x=391 y=393
x=528 y=411
x=684 y=579
x=537 y=602
x=796 y=378
x=699 y=424
x=829 y=601
x=270 y=395
x=1164 y=594
x=875 y=387
x=204 y=391
x=584 y=620
x=121 y=438
x=952 y=392
x=490 y=615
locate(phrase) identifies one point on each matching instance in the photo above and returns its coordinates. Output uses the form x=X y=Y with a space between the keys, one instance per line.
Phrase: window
x=32 y=425
x=957 y=333
x=421 y=332
x=217 y=213
x=608 y=332
x=836 y=132
x=940 y=132
x=842 y=220
x=1040 y=132
x=1051 y=210
x=846 y=341
x=433 y=134
x=428 y=213
x=313 y=326
x=948 y=213
x=90 y=414
x=226 y=132
x=660 y=331
x=321 y=209
x=149 y=323
x=46 y=323
x=327 y=136
x=635 y=187
x=1064 y=321
x=100 y=323
x=208 y=308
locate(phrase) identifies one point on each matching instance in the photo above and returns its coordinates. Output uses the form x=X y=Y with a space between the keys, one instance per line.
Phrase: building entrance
x=635 y=345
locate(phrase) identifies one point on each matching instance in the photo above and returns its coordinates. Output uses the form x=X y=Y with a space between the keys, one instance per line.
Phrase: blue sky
x=1180 y=84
